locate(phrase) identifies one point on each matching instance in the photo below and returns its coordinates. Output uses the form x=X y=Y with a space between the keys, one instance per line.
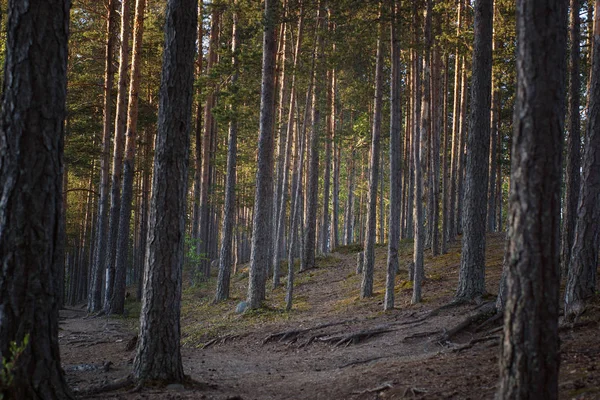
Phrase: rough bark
x=445 y=165
x=95 y=292
x=117 y=165
x=313 y=155
x=395 y=160
x=263 y=200
x=158 y=356
x=529 y=358
x=31 y=201
x=225 y=253
x=583 y=266
x=117 y=302
x=573 y=153
x=366 y=289
x=471 y=279
x=349 y=211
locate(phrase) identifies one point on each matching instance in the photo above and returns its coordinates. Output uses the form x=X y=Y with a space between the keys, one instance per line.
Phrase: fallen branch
x=109 y=387
x=465 y=324
x=358 y=362
x=473 y=342
x=420 y=335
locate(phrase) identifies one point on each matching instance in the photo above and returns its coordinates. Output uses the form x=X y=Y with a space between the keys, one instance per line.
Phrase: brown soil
x=405 y=357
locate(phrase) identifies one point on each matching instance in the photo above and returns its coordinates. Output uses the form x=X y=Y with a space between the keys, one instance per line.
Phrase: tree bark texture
x=263 y=201
x=31 y=200
x=95 y=292
x=117 y=166
x=366 y=289
x=471 y=280
x=583 y=266
x=529 y=358
x=158 y=356
x=117 y=302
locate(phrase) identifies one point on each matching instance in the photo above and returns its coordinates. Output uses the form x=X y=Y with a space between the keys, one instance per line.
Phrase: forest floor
x=337 y=346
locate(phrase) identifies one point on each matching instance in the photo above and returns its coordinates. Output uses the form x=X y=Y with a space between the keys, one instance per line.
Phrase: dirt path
x=407 y=359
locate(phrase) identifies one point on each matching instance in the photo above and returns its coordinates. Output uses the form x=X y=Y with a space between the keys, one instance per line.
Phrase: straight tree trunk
x=31 y=186
x=117 y=166
x=395 y=159
x=289 y=131
x=158 y=356
x=313 y=155
x=366 y=289
x=117 y=302
x=225 y=258
x=462 y=124
x=529 y=358
x=327 y=175
x=471 y=279
x=263 y=202
x=349 y=213
x=573 y=162
x=95 y=292
x=583 y=266
x=445 y=164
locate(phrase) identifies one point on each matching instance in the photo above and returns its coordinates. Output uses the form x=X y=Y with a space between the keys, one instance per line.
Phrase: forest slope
x=332 y=345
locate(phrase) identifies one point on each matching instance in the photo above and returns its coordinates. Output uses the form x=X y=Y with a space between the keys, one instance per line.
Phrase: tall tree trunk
x=436 y=127
x=229 y=206
x=573 y=164
x=349 y=213
x=445 y=163
x=117 y=303
x=158 y=355
x=452 y=228
x=471 y=279
x=395 y=159
x=207 y=139
x=263 y=202
x=95 y=292
x=327 y=175
x=366 y=289
x=117 y=166
x=494 y=133
x=583 y=266
x=289 y=131
x=529 y=358
x=313 y=154
x=31 y=155
x=462 y=148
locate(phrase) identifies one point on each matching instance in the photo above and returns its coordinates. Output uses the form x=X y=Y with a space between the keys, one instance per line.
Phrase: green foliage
x=8 y=364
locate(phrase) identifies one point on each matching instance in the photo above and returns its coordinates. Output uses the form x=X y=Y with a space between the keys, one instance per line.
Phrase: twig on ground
x=380 y=388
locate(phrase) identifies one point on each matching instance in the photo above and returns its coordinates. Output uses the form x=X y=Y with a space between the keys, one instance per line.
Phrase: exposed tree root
x=358 y=362
x=294 y=333
x=420 y=335
x=467 y=322
x=354 y=338
x=569 y=326
x=497 y=316
x=377 y=389
x=473 y=342
x=220 y=340
x=109 y=387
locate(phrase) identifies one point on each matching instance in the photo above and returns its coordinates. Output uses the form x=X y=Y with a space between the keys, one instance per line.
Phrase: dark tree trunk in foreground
x=95 y=292
x=395 y=162
x=366 y=289
x=471 y=280
x=117 y=302
x=225 y=258
x=31 y=172
x=529 y=358
x=158 y=356
x=263 y=201
x=573 y=151
x=581 y=282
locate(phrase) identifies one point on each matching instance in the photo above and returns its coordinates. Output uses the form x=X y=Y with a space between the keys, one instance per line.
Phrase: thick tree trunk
x=460 y=186
x=395 y=159
x=366 y=289
x=31 y=156
x=158 y=356
x=117 y=166
x=471 y=279
x=529 y=358
x=117 y=302
x=263 y=201
x=573 y=161
x=95 y=292
x=583 y=266
x=225 y=253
